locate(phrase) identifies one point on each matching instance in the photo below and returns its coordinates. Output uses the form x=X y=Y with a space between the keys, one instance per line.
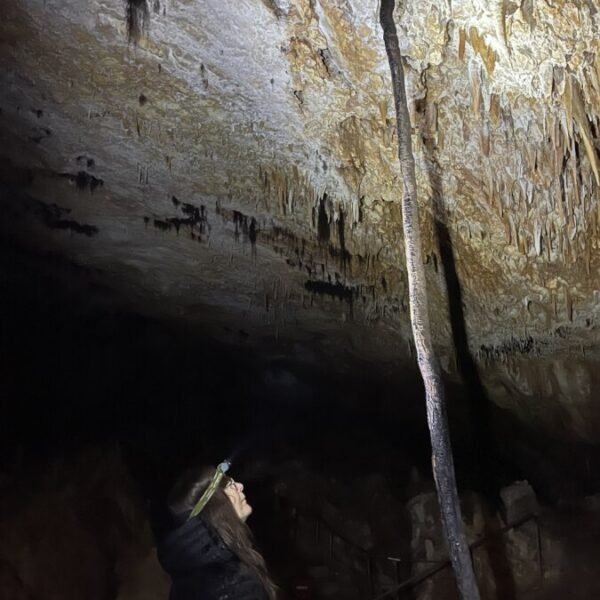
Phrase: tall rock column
x=443 y=463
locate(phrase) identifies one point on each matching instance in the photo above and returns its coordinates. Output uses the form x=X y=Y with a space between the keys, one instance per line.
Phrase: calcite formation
x=233 y=163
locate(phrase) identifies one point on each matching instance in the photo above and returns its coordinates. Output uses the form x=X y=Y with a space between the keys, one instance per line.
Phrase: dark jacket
x=202 y=567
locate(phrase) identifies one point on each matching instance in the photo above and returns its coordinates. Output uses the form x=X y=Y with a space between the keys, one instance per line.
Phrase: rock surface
x=77 y=528
x=234 y=164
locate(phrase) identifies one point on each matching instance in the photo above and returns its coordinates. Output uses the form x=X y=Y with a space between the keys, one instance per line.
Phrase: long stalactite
x=443 y=463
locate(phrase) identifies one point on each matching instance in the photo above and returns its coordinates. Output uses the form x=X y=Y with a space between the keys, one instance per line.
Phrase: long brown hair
x=219 y=513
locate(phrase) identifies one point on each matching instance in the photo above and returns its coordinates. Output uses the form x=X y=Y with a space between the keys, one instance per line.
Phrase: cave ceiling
x=233 y=164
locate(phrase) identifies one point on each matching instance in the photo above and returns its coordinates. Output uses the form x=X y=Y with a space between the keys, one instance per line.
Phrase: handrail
x=314 y=515
x=419 y=577
x=368 y=557
x=416 y=579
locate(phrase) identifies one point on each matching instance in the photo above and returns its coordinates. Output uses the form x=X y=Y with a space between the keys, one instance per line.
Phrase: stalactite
x=537 y=237
x=564 y=131
x=494 y=109
x=484 y=136
x=520 y=237
x=431 y=116
x=530 y=193
x=491 y=189
x=579 y=115
x=529 y=154
x=514 y=232
x=574 y=173
x=480 y=47
x=462 y=38
x=560 y=240
x=475 y=78
x=567 y=102
x=521 y=189
x=514 y=197
x=547 y=240
x=500 y=8
x=137 y=16
x=569 y=304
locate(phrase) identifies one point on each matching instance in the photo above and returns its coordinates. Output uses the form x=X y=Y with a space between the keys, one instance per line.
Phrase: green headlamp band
x=211 y=489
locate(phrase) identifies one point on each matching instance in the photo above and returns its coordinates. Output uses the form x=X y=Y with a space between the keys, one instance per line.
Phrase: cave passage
x=202 y=259
x=104 y=406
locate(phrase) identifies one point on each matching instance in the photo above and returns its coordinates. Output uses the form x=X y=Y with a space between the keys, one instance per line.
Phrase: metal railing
x=370 y=559
x=324 y=529
x=443 y=564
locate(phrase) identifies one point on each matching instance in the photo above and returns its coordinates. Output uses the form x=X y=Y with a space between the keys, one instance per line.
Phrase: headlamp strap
x=211 y=489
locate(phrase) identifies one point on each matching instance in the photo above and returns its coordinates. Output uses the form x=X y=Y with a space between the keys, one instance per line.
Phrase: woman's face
x=235 y=492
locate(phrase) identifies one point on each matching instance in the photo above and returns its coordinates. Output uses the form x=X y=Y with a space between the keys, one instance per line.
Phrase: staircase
x=334 y=566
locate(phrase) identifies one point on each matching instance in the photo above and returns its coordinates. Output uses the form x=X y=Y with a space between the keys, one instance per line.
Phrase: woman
x=210 y=553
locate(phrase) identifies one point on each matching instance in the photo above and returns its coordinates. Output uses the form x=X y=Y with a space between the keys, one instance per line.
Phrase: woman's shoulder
x=203 y=567
x=193 y=546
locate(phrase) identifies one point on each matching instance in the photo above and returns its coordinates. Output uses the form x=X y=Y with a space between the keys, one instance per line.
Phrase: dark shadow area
x=480 y=408
x=80 y=370
x=479 y=405
x=489 y=473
